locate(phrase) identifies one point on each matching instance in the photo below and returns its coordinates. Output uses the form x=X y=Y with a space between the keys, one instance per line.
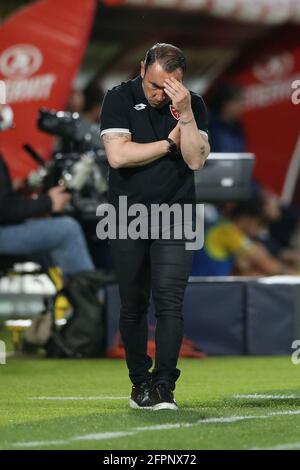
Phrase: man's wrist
x=186 y=119
x=172 y=147
x=165 y=146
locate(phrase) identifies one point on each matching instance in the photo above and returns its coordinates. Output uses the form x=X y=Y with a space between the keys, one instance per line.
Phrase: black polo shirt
x=167 y=179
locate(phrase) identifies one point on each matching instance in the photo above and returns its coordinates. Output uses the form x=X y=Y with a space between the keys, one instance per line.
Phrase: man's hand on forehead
x=179 y=94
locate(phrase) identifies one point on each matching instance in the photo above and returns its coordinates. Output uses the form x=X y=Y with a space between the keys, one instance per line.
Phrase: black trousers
x=163 y=266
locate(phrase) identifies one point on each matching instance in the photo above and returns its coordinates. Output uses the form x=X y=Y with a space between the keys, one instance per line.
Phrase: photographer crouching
x=27 y=227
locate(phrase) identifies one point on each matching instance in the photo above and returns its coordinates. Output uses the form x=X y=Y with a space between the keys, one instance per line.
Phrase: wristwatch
x=172 y=146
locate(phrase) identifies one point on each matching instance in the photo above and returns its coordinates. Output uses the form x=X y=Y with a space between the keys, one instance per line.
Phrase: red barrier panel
x=41 y=50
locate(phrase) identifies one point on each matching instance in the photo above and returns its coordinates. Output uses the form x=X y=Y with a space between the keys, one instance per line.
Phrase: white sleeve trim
x=203 y=132
x=116 y=129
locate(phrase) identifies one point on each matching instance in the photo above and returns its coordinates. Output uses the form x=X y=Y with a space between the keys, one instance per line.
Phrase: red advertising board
x=271 y=80
x=41 y=48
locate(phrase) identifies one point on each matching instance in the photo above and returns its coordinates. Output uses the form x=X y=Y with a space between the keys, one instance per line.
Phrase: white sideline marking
x=77 y=398
x=257 y=396
x=161 y=427
x=295 y=445
x=278 y=413
x=291 y=445
x=100 y=436
x=215 y=420
x=39 y=443
x=88 y=437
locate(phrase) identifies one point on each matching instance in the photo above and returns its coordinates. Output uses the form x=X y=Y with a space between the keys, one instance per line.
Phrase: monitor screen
x=225 y=176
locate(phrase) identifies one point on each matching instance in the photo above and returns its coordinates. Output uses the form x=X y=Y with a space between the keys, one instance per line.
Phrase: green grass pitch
x=91 y=407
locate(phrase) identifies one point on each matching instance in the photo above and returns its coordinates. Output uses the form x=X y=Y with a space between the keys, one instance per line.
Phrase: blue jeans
x=57 y=241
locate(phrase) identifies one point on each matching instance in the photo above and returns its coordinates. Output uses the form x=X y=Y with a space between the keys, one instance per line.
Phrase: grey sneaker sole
x=165 y=406
x=135 y=406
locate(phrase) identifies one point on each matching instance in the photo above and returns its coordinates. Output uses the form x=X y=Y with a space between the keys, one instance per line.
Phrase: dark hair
x=251 y=209
x=168 y=56
x=93 y=96
x=225 y=92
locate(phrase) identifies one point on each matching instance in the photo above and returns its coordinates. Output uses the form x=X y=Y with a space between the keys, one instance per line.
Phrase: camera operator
x=93 y=98
x=24 y=229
